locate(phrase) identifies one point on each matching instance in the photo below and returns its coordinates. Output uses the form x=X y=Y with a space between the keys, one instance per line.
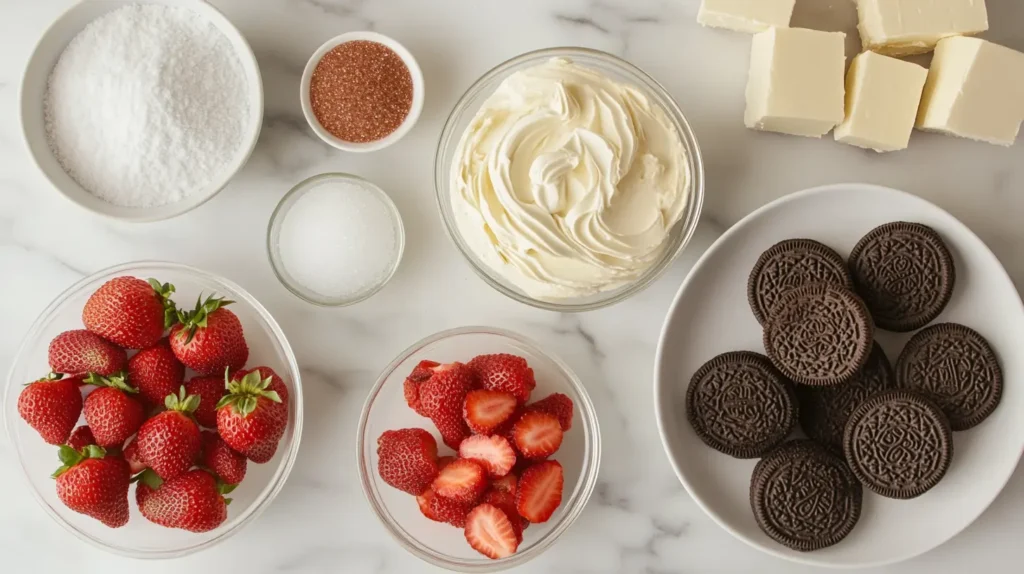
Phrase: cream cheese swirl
x=568 y=183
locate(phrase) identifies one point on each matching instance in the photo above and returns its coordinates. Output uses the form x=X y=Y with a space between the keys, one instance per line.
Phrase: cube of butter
x=905 y=27
x=746 y=15
x=796 y=81
x=975 y=89
x=882 y=95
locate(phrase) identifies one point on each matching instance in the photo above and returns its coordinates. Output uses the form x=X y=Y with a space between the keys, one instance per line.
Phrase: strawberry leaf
x=118 y=381
x=69 y=456
x=150 y=479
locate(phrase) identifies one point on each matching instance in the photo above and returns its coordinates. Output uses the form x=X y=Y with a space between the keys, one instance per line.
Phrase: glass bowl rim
x=578 y=500
x=270 y=490
x=307 y=185
x=652 y=87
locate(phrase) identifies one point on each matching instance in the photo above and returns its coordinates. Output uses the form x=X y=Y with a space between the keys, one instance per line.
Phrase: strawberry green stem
x=118 y=381
x=164 y=290
x=196 y=318
x=244 y=394
x=182 y=402
x=70 y=457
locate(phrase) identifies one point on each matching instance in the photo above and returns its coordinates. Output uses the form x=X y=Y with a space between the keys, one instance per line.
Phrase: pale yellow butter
x=746 y=15
x=796 y=82
x=905 y=27
x=882 y=96
x=975 y=90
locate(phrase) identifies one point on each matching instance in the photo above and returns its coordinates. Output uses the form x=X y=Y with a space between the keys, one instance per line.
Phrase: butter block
x=882 y=97
x=906 y=27
x=796 y=82
x=746 y=15
x=975 y=90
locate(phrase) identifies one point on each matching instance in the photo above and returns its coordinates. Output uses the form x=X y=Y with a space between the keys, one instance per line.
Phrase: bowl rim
x=269 y=492
x=577 y=501
x=651 y=87
x=247 y=59
x=277 y=218
x=418 y=95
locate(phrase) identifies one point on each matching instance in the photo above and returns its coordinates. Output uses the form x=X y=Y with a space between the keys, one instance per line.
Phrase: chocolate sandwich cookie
x=789 y=264
x=905 y=274
x=898 y=443
x=955 y=367
x=790 y=446
x=819 y=335
x=824 y=410
x=739 y=404
x=805 y=497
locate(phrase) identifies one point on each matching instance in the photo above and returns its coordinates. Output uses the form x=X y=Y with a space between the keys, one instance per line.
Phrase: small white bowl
x=418 y=88
x=33 y=92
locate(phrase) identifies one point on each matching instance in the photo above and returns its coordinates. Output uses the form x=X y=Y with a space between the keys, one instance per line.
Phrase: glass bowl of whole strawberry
x=477 y=449
x=154 y=410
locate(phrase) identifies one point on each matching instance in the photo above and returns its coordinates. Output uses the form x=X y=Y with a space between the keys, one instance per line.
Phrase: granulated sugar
x=147 y=105
x=339 y=240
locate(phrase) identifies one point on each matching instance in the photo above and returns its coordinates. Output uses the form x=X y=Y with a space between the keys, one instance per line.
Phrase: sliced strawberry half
x=423 y=371
x=490 y=532
x=462 y=480
x=441 y=509
x=537 y=435
x=494 y=453
x=540 y=491
x=558 y=405
x=487 y=410
x=507 y=504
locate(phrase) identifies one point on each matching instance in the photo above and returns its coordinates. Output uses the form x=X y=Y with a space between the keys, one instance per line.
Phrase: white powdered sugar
x=147 y=105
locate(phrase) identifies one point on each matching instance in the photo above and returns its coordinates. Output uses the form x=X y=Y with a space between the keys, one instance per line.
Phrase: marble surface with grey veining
x=640 y=518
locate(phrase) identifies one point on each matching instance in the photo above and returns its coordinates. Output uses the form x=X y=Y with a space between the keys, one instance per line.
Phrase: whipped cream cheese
x=568 y=183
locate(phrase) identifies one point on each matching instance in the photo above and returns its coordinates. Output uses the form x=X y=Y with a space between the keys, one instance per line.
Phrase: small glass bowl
x=141 y=538
x=619 y=70
x=274 y=231
x=443 y=545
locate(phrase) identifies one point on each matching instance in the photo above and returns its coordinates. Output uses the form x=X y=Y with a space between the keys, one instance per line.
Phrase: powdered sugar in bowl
x=189 y=130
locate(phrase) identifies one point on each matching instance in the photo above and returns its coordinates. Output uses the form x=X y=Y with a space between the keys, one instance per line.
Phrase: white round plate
x=710 y=315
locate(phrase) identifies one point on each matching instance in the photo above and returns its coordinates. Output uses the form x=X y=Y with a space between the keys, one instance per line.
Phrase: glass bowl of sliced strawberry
x=477 y=449
x=137 y=417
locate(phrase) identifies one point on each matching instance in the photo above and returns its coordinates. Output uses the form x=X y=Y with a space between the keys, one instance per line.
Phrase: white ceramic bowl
x=418 y=87
x=33 y=91
x=141 y=538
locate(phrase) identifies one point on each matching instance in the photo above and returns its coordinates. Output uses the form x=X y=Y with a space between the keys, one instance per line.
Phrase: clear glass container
x=619 y=70
x=443 y=545
x=274 y=232
x=141 y=538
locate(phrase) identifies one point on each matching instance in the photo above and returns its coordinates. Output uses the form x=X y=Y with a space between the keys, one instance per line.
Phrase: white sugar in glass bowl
x=33 y=92
x=141 y=538
x=418 y=92
x=443 y=545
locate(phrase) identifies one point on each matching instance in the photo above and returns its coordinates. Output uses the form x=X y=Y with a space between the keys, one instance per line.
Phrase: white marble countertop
x=640 y=519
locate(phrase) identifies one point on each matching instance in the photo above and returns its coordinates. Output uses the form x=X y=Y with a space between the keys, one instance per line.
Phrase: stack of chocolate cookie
x=889 y=430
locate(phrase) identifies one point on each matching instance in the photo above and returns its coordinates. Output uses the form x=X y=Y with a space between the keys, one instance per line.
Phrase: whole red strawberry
x=251 y=417
x=130 y=312
x=507 y=373
x=80 y=352
x=111 y=412
x=210 y=390
x=558 y=405
x=94 y=484
x=407 y=459
x=442 y=398
x=51 y=405
x=80 y=438
x=170 y=442
x=217 y=456
x=193 y=501
x=209 y=338
x=156 y=373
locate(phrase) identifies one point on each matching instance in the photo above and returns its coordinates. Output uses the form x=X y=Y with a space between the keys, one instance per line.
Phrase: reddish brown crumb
x=361 y=91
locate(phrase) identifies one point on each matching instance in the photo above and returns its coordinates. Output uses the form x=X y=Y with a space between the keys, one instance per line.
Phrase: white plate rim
x=660 y=351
